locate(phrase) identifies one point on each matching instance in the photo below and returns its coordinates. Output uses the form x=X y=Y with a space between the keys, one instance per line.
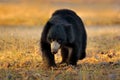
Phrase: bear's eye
x=59 y=41
x=50 y=39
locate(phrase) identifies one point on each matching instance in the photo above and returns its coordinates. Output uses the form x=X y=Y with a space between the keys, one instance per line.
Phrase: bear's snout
x=54 y=47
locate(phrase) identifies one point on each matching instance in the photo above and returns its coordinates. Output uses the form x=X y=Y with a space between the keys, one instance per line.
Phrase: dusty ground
x=20 y=56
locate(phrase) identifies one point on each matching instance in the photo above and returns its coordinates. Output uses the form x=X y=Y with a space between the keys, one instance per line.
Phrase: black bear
x=64 y=30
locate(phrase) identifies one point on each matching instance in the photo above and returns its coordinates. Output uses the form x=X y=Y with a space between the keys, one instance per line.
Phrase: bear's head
x=59 y=35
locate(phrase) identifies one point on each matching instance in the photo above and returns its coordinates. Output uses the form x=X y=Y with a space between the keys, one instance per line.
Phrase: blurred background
x=21 y=24
x=37 y=12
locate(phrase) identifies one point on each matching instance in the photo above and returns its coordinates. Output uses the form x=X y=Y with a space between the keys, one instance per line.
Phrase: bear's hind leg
x=83 y=48
x=83 y=55
x=64 y=54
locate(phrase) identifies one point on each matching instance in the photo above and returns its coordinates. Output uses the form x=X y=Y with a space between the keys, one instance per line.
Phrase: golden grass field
x=20 y=58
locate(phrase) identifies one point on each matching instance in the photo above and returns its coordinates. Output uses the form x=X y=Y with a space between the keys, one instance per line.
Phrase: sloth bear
x=64 y=30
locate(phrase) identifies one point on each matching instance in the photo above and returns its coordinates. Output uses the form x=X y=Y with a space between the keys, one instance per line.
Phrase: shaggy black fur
x=68 y=29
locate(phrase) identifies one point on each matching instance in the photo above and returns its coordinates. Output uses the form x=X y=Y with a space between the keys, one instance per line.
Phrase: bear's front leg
x=47 y=56
x=73 y=58
x=64 y=54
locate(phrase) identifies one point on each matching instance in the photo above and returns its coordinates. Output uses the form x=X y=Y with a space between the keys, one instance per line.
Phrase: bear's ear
x=70 y=33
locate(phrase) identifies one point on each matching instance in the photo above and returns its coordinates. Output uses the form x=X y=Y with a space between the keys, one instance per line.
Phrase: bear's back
x=64 y=12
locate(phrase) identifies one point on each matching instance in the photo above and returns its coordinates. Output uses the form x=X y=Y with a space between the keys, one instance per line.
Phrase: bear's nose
x=53 y=51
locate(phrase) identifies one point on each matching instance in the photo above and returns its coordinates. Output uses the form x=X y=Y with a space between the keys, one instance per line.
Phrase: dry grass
x=20 y=56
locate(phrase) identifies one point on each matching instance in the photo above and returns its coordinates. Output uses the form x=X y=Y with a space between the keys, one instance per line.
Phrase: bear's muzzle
x=54 y=47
